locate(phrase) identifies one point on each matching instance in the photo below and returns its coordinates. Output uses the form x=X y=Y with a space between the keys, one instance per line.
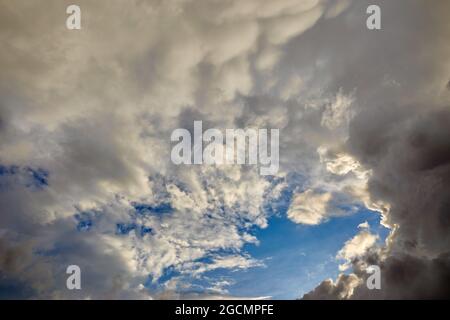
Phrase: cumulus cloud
x=309 y=207
x=356 y=247
x=399 y=137
x=342 y=288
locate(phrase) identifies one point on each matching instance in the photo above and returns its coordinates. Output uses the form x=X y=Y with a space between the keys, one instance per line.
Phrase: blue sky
x=296 y=257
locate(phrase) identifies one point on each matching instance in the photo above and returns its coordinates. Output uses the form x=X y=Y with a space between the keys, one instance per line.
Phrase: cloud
x=309 y=207
x=86 y=117
x=364 y=225
x=329 y=290
x=94 y=110
x=399 y=138
x=356 y=247
x=337 y=112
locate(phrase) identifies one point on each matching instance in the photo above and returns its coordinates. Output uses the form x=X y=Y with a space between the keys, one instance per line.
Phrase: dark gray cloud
x=403 y=137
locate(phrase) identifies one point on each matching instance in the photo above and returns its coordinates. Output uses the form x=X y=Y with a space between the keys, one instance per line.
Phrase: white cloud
x=364 y=225
x=309 y=207
x=356 y=247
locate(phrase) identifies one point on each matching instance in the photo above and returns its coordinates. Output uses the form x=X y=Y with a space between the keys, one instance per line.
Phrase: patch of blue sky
x=157 y=285
x=126 y=228
x=8 y=170
x=144 y=208
x=85 y=220
x=296 y=257
x=84 y=225
x=34 y=178
x=278 y=206
x=39 y=177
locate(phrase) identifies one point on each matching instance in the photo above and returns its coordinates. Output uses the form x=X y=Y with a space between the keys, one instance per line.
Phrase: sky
x=297 y=258
x=87 y=178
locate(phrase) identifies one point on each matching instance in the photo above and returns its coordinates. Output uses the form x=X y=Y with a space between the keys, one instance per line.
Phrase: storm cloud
x=402 y=137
